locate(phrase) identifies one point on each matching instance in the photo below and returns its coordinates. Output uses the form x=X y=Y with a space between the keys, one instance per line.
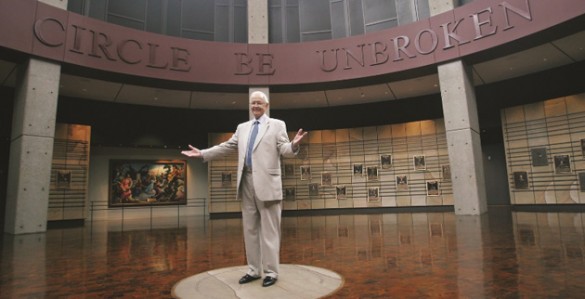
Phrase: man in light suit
x=260 y=142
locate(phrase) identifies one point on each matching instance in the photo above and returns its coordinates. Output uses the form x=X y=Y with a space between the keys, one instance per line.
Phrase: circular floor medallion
x=294 y=281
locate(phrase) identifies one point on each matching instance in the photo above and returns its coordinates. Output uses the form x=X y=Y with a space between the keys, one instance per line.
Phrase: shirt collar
x=262 y=120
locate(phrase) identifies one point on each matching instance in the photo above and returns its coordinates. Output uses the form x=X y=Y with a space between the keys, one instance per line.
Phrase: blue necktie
x=251 y=144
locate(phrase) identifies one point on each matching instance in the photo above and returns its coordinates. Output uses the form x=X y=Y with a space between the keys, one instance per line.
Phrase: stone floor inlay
x=294 y=281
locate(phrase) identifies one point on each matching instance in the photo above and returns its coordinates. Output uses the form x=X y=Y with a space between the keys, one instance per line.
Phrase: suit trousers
x=261 y=222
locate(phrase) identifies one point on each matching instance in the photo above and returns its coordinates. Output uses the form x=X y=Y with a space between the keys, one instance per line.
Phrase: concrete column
x=258 y=33
x=31 y=144
x=463 y=140
x=257 y=21
x=462 y=127
x=31 y=148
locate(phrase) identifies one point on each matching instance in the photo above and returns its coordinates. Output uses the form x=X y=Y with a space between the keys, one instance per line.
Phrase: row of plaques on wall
x=358 y=169
x=539 y=157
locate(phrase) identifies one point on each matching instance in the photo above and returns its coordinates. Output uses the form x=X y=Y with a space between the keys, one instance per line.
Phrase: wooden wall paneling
x=333 y=158
x=555 y=129
x=69 y=174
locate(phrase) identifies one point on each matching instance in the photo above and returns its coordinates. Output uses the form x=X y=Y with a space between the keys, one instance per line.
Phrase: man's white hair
x=259 y=94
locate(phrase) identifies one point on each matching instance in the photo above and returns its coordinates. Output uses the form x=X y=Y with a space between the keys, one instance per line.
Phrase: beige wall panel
x=524 y=198
x=440 y=126
x=534 y=142
x=356 y=134
x=304 y=204
x=413 y=129
x=428 y=127
x=318 y=203
x=384 y=132
x=389 y=201
x=558 y=140
x=315 y=136
x=374 y=204
x=342 y=135
x=289 y=205
x=431 y=155
x=292 y=134
x=431 y=175
x=580 y=195
x=574 y=192
x=331 y=203
x=343 y=153
x=513 y=115
x=219 y=138
x=521 y=143
x=403 y=201
x=233 y=206
x=398 y=130
x=346 y=203
x=55 y=214
x=579 y=163
x=555 y=107
x=217 y=207
x=360 y=201
x=576 y=135
x=370 y=133
x=564 y=197
x=576 y=103
x=434 y=200
x=328 y=136
x=419 y=200
x=533 y=112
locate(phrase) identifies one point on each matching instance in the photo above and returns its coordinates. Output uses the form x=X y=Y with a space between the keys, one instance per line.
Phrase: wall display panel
x=69 y=173
x=385 y=166
x=545 y=154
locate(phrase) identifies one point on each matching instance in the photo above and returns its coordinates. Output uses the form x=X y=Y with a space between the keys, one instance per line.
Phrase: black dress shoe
x=268 y=281
x=248 y=278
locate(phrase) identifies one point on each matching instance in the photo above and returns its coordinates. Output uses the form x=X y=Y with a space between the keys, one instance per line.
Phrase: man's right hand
x=194 y=152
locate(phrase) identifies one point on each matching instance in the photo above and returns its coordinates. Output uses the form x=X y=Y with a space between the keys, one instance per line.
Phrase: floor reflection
x=501 y=254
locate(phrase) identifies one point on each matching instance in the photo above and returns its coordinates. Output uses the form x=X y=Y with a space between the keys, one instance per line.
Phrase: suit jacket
x=271 y=142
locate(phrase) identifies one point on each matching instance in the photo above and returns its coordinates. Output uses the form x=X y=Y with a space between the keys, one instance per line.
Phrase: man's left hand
x=297 y=140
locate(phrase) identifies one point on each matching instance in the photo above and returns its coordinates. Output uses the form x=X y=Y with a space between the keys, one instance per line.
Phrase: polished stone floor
x=502 y=254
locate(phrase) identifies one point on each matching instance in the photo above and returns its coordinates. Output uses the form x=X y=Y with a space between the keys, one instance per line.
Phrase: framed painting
x=433 y=188
x=386 y=161
x=562 y=164
x=419 y=162
x=313 y=189
x=401 y=183
x=226 y=179
x=372 y=173
x=373 y=194
x=147 y=182
x=290 y=193
x=325 y=179
x=521 y=180
x=340 y=192
x=305 y=173
x=358 y=169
